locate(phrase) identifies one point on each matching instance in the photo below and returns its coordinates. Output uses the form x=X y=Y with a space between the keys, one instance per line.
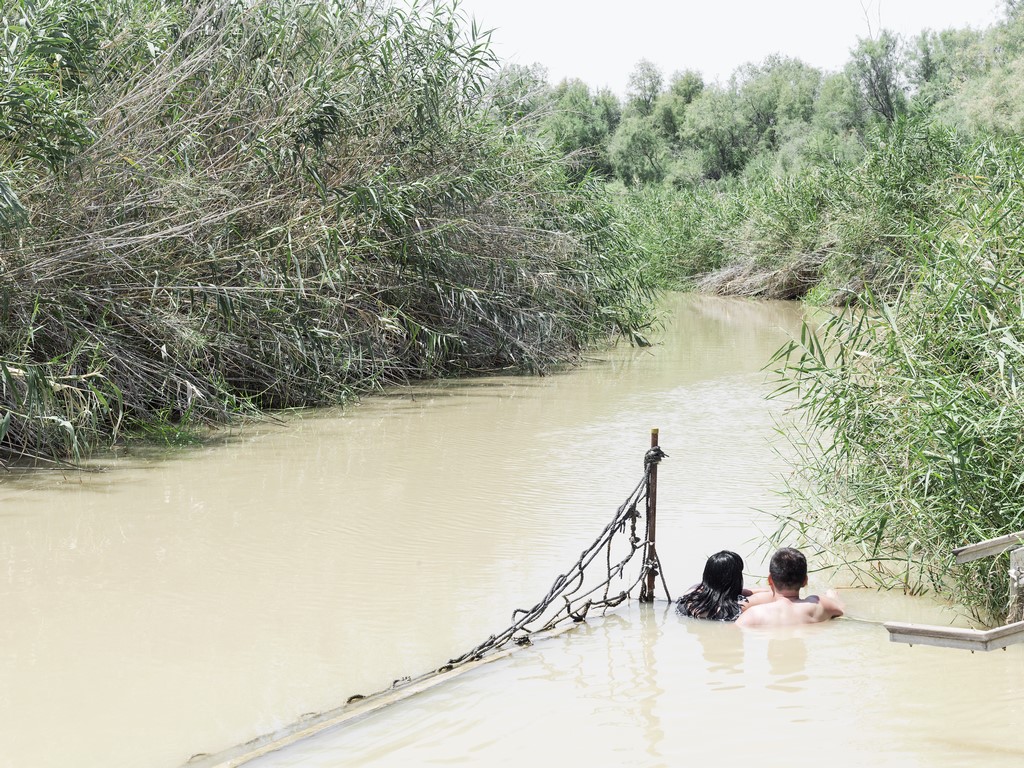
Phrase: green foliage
x=876 y=67
x=1007 y=39
x=644 y=85
x=827 y=226
x=715 y=128
x=670 y=106
x=609 y=108
x=774 y=97
x=684 y=234
x=838 y=109
x=519 y=93
x=579 y=126
x=940 y=62
x=48 y=49
x=638 y=152
x=912 y=404
x=686 y=86
x=272 y=204
x=992 y=103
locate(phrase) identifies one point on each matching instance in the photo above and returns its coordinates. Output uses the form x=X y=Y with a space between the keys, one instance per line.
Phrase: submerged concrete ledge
x=955 y=637
x=312 y=725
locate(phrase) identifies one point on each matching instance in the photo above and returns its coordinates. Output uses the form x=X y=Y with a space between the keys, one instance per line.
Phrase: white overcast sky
x=600 y=41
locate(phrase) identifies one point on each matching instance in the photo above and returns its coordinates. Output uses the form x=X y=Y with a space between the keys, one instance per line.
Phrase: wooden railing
x=1010 y=633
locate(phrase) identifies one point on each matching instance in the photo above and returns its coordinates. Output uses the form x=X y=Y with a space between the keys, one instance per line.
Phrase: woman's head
x=717 y=596
x=723 y=573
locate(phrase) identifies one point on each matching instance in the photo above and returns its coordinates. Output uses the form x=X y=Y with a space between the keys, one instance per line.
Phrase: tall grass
x=913 y=402
x=685 y=233
x=824 y=230
x=269 y=204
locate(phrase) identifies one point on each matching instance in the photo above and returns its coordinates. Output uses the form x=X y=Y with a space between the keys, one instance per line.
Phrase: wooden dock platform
x=956 y=637
x=972 y=640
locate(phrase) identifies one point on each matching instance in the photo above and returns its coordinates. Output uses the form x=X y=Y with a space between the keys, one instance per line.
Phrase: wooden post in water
x=1016 y=611
x=647 y=593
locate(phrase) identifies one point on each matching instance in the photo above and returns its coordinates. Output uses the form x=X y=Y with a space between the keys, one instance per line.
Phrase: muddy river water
x=176 y=605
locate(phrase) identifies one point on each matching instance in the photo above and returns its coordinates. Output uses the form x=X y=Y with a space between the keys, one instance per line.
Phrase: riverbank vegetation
x=910 y=441
x=889 y=190
x=210 y=208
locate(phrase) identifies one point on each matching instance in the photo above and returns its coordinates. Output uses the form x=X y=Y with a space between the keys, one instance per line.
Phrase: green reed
x=270 y=204
x=910 y=403
x=823 y=230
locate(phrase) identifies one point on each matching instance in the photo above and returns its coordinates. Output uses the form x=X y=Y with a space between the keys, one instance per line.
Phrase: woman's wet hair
x=718 y=595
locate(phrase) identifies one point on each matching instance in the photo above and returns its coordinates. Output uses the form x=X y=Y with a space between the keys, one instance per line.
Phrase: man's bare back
x=783 y=606
x=784 y=611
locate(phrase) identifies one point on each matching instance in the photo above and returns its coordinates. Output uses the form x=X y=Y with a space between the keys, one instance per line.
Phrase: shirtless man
x=783 y=606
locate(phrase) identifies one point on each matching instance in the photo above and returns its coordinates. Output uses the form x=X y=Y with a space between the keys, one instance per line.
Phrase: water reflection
x=648 y=682
x=642 y=694
x=787 y=659
x=721 y=645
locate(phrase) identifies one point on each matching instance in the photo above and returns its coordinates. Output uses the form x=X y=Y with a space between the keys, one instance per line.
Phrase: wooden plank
x=956 y=637
x=912 y=635
x=1008 y=634
x=346 y=713
x=987 y=548
x=944 y=637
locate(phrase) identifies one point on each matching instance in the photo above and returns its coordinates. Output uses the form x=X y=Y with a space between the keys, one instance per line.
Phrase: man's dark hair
x=788 y=568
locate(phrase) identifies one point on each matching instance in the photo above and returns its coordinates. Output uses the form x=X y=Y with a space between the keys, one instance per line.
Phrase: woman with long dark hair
x=720 y=595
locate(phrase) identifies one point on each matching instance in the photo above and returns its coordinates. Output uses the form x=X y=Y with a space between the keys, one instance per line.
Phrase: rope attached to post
x=652 y=565
x=572 y=596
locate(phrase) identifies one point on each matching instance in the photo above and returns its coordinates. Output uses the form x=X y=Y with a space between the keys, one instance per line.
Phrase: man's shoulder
x=757 y=614
x=820 y=609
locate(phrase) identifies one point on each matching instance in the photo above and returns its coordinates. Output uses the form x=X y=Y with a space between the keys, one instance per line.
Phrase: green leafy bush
x=269 y=204
x=913 y=403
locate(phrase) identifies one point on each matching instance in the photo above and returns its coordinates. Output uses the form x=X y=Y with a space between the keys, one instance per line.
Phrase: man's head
x=788 y=569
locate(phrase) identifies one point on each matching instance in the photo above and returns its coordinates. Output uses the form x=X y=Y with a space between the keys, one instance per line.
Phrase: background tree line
x=779 y=114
